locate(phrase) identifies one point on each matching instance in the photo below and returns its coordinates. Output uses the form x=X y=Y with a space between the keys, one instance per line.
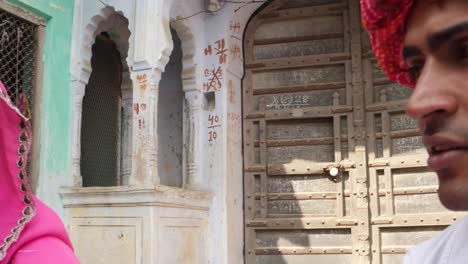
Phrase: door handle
x=334 y=169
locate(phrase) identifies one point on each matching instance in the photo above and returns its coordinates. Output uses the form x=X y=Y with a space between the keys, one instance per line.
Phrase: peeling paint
x=55 y=6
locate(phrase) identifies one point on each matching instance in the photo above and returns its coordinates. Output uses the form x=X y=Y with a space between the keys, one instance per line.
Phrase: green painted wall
x=55 y=116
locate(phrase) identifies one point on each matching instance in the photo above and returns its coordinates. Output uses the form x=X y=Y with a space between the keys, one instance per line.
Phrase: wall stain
x=55 y=6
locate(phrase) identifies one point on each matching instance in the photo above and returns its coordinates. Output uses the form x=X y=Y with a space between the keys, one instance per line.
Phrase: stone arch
x=115 y=23
x=117 y=26
x=188 y=59
x=192 y=99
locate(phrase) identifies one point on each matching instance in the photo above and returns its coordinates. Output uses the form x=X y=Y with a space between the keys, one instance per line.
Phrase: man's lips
x=436 y=150
x=444 y=151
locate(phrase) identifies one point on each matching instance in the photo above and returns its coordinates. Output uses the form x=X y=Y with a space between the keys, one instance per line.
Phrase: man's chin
x=453 y=197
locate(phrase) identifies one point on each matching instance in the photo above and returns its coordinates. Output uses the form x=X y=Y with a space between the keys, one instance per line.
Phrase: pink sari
x=30 y=232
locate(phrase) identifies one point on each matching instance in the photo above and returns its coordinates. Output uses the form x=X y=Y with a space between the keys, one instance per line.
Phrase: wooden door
x=404 y=205
x=334 y=171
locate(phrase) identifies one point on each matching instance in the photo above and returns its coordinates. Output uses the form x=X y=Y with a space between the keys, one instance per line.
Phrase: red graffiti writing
x=234 y=121
x=221 y=51
x=235 y=39
x=208 y=50
x=231 y=91
x=234 y=27
x=213 y=123
x=235 y=51
x=142 y=81
x=136 y=108
x=141 y=123
x=139 y=107
x=214 y=79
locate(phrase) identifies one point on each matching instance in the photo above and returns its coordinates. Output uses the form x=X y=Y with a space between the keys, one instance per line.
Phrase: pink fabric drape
x=30 y=232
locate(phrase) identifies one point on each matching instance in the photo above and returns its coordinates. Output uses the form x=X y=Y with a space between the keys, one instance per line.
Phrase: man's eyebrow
x=435 y=40
x=410 y=51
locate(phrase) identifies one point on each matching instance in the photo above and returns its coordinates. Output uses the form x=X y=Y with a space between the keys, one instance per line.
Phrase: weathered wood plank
x=303 y=251
x=299 y=88
x=305 y=223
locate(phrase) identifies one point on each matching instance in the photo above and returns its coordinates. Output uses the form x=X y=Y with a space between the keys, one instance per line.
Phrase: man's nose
x=432 y=94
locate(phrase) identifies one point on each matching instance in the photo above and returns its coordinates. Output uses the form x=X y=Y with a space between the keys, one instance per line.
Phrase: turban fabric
x=385 y=22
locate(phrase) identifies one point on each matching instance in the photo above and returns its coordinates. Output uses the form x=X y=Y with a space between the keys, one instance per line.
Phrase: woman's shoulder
x=46 y=223
x=44 y=250
x=43 y=240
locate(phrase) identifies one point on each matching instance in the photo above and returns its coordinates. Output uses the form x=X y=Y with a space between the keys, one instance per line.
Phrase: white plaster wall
x=170 y=120
x=84 y=14
x=217 y=161
x=225 y=156
x=137 y=225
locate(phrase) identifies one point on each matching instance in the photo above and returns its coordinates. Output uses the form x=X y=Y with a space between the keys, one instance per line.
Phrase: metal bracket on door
x=334 y=168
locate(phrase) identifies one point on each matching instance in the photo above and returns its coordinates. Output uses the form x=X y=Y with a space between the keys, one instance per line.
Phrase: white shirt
x=450 y=247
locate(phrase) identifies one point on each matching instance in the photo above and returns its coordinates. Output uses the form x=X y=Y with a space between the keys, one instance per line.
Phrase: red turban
x=385 y=22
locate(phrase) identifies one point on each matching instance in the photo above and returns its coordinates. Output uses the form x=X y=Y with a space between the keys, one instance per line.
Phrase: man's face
x=436 y=50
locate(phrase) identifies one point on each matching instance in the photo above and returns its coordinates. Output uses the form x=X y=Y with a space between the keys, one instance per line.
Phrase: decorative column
x=153 y=127
x=78 y=92
x=127 y=120
x=144 y=144
x=192 y=109
x=191 y=142
x=146 y=43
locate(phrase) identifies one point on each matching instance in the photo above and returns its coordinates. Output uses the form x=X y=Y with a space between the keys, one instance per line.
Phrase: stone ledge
x=125 y=196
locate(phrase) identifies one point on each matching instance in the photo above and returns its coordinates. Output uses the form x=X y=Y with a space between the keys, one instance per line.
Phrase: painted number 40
x=213 y=123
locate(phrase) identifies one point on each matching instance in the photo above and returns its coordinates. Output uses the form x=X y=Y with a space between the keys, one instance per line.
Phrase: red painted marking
x=136 y=107
x=213 y=123
x=213 y=135
x=208 y=50
x=234 y=27
x=215 y=81
x=235 y=52
x=221 y=51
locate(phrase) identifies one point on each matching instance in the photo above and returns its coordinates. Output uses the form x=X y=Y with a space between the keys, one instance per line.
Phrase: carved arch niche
x=116 y=27
x=192 y=100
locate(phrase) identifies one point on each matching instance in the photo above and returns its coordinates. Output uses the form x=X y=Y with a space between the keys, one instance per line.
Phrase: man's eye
x=415 y=71
x=463 y=51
